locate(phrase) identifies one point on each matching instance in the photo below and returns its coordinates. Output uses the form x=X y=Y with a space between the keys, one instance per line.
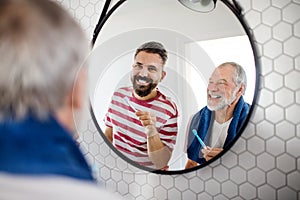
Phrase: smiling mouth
x=211 y=96
x=143 y=81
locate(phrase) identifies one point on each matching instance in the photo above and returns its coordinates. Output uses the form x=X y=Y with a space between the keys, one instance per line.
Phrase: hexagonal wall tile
x=271 y=16
x=278 y=32
x=291 y=13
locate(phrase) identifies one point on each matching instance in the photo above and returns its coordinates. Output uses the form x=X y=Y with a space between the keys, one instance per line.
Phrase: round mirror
x=196 y=44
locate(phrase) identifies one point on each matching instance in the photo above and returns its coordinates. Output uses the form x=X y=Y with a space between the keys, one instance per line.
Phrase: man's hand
x=209 y=153
x=149 y=121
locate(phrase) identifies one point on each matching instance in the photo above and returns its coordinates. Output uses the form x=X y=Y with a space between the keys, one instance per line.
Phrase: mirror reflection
x=185 y=83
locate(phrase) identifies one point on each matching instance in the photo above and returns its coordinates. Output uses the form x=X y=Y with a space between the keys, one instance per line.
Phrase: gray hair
x=154 y=47
x=240 y=74
x=41 y=51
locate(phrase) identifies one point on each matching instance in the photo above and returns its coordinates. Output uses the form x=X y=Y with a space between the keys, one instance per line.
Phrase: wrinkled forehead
x=226 y=72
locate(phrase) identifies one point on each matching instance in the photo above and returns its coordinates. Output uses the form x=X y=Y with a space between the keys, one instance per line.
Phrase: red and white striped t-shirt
x=129 y=134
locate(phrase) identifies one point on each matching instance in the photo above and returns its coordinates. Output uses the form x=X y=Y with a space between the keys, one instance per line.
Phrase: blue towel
x=35 y=147
x=201 y=121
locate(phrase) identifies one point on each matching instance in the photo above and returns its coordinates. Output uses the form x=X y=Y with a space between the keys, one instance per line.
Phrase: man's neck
x=222 y=116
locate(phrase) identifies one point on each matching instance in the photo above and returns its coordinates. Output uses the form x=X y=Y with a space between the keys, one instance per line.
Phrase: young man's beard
x=142 y=90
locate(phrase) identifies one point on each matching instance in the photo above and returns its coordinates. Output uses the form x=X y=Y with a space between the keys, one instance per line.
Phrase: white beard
x=225 y=102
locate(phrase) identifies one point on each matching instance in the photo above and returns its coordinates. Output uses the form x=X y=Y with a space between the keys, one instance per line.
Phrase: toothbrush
x=199 y=139
x=130 y=104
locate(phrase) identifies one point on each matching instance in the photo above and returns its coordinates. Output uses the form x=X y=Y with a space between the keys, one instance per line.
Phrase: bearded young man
x=141 y=122
x=218 y=123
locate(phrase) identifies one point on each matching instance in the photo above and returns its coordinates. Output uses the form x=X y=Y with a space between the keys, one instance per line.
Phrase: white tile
x=181 y=183
x=247 y=191
x=265 y=162
x=189 y=195
x=160 y=192
x=116 y=174
x=280 y=3
x=286 y=163
x=122 y=187
x=134 y=189
x=285 y=130
x=272 y=49
x=292 y=113
x=273 y=81
x=88 y=137
x=246 y=160
x=271 y=16
x=220 y=173
x=266 y=66
x=167 y=181
x=229 y=160
x=255 y=145
x=292 y=80
x=174 y=194
x=238 y=175
x=265 y=96
x=292 y=147
x=253 y=18
x=94 y=148
x=256 y=177
x=196 y=184
x=286 y=193
x=89 y=10
x=212 y=187
x=291 y=46
x=290 y=13
x=147 y=191
x=278 y=32
x=84 y=2
x=263 y=33
x=275 y=146
x=74 y=4
x=260 y=5
x=266 y=192
x=284 y=97
x=283 y=64
x=229 y=189
x=297 y=29
x=274 y=113
x=276 y=179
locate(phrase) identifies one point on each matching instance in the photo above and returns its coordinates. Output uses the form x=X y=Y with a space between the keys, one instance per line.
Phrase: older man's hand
x=209 y=152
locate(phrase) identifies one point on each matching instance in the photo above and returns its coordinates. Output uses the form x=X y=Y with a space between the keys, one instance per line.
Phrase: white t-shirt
x=219 y=134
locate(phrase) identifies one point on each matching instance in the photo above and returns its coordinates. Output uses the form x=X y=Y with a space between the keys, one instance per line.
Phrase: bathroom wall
x=265 y=162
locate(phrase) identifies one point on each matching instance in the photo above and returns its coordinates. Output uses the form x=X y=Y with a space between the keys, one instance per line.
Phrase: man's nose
x=143 y=71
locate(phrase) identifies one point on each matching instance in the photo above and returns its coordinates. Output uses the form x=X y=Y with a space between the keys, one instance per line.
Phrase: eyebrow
x=139 y=63
x=219 y=80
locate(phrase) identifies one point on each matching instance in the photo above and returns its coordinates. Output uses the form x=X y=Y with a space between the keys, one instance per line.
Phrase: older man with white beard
x=218 y=123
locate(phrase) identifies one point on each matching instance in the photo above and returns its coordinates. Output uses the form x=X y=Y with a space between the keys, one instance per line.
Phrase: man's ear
x=163 y=74
x=76 y=98
x=241 y=91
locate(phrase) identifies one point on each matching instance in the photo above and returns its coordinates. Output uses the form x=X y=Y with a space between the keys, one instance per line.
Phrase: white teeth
x=142 y=81
x=215 y=96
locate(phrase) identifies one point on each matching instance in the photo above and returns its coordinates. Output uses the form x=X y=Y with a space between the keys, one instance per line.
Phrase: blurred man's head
x=41 y=51
x=148 y=68
x=226 y=85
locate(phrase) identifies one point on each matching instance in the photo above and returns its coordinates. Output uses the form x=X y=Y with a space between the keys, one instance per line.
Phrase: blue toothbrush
x=199 y=139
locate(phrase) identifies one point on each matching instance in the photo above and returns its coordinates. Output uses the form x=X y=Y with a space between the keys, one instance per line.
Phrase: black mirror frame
x=237 y=10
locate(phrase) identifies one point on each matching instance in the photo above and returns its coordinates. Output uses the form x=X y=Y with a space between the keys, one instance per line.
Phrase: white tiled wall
x=265 y=161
